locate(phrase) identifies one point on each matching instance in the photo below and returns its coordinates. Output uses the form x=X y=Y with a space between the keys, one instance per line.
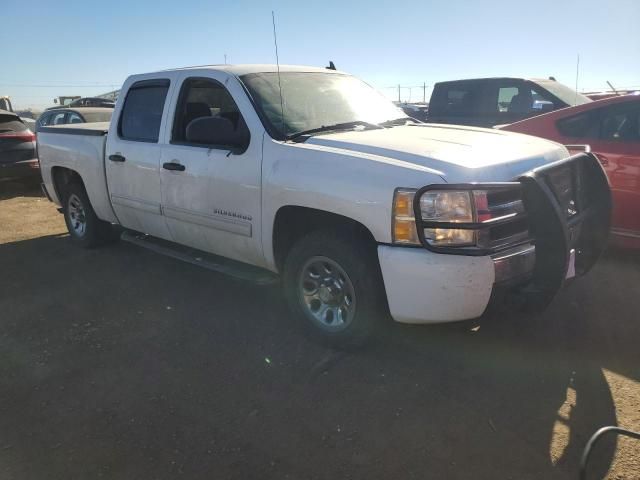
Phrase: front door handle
x=117 y=158
x=176 y=167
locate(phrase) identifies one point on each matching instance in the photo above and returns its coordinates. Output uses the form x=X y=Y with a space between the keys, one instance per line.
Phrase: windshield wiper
x=335 y=126
x=398 y=121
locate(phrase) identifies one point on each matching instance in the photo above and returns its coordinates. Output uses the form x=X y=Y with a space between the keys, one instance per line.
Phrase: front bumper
x=428 y=287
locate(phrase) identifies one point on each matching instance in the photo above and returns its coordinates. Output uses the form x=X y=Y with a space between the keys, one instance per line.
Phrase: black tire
x=356 y=256
x=95 y=231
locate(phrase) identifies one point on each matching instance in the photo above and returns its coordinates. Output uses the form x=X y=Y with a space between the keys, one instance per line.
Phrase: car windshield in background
x=97 y=117
x=564 y=93
x=315 y=100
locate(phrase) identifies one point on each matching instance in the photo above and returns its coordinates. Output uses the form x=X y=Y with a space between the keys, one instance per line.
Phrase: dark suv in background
x=486 y=102
x=17 y=147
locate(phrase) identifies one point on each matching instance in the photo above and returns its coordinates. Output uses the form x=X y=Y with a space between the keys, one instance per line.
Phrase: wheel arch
x=94 y=185
x=61 y=177
x=291 y=222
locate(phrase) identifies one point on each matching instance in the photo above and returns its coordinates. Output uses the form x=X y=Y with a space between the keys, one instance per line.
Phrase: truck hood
x=458 y=154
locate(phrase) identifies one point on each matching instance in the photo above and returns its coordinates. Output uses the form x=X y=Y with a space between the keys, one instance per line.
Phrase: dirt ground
x=119 y=363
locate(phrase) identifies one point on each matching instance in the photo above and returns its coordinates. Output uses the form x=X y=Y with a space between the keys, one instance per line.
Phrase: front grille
x=502 y=204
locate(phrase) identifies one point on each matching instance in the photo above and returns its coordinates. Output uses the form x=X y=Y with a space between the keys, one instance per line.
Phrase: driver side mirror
x=218 y=132
x=547 y=107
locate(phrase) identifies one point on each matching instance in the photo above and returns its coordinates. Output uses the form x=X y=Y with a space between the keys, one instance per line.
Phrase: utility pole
x=225 y=58
x=398 y=93
x=424 y=92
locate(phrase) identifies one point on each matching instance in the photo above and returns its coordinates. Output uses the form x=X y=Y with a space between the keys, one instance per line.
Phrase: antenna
x=613 y=88
x=275 y=42
x=575 y=98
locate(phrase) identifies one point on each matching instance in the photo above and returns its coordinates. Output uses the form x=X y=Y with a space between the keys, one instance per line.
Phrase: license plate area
x=571 y=269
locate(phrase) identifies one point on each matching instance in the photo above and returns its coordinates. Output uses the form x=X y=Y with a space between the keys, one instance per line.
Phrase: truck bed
x=97 y=129
x=81 y=148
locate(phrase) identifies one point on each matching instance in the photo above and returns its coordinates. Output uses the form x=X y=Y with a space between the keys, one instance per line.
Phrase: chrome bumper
x=515 y=264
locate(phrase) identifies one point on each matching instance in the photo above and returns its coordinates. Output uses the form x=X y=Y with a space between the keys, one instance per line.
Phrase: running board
x=209 y=261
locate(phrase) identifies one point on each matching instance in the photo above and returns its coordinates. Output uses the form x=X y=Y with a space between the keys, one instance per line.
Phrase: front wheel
x=85 y=228
x=334 y=287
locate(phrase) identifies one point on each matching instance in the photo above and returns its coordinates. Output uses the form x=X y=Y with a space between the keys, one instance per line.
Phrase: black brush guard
x=556 y=232
x=568 y=208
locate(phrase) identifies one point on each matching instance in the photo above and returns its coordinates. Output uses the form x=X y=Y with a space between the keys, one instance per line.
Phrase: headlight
x=437 y=206
x=448 y=206
x=459 y=218
x=455 y=237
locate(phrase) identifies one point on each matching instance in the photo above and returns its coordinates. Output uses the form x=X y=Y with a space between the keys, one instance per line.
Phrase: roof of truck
x=485 y=79
x=245 y=69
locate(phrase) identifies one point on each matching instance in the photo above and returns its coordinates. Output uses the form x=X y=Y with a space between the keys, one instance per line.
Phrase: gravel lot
x=120 y=363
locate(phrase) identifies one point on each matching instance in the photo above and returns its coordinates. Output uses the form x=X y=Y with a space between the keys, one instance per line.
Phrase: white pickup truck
x=311 y=175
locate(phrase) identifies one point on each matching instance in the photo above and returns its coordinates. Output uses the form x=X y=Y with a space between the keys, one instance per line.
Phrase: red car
x=612 y=128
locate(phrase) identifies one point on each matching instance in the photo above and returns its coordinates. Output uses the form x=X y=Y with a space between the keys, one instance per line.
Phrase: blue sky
x=67 y=47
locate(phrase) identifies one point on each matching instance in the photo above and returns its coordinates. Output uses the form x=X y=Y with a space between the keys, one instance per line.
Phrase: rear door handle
x=176 y=167
x=117 y=158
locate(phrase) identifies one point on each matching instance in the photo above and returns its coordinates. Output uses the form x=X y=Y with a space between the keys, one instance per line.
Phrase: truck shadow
x=11 y=188
x=117 y=362
x=539 y=396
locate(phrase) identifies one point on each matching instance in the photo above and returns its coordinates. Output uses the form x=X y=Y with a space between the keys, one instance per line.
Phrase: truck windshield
x=564 y=93
x=313 y=100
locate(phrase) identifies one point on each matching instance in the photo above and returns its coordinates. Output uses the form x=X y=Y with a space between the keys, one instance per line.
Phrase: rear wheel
x=85 y=228
x=334 y=287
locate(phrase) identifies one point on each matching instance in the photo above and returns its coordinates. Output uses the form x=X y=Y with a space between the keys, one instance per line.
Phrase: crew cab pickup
x=313 y=176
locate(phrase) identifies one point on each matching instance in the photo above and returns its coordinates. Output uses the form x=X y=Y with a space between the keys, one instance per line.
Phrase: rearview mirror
x=218 y=132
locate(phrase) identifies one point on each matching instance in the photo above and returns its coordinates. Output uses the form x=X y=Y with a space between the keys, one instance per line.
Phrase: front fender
x=355 y=185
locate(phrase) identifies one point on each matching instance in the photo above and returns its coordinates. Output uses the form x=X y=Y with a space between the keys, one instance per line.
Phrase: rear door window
x=579 y=126
x=142 y=111
x=58 y=118
x=620 y=123
x=74 y=118
x=45 y=120
x=457 y=99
